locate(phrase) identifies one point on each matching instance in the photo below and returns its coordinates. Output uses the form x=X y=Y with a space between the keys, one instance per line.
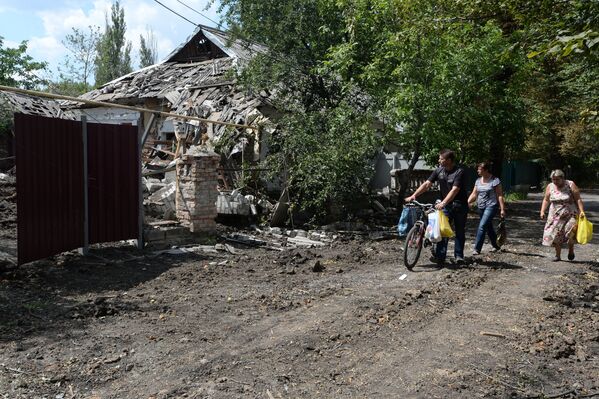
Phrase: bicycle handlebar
x=419 y=204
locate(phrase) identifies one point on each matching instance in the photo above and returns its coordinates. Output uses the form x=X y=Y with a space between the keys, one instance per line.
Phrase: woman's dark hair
x=447 y=154
x=487 y=165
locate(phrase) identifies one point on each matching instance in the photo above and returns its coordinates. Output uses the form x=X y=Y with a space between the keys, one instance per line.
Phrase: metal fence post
x=85 y=249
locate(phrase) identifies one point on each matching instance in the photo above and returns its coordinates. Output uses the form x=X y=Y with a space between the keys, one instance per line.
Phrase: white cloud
x=140 y=15
x=59 y=22
x=47 y=48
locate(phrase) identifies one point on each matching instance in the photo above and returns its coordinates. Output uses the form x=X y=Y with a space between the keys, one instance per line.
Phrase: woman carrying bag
x=565 y=206
x=488 y=195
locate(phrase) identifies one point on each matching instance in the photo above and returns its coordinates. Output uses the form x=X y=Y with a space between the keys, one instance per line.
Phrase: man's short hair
x=447 y=154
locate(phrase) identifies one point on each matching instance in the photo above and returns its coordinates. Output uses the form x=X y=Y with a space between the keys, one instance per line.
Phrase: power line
x=241 y=37
x=175 y=12
x=199 y=13
x=295 y=67
x=272 y=57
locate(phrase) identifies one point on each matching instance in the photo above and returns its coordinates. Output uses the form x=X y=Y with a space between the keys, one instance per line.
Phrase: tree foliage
x=327 y=142
x=113 y=51
x=443 y=81
x=560 y=38
x=148 y=49
x=428 y=74
x=17 y=68
x=79 y=65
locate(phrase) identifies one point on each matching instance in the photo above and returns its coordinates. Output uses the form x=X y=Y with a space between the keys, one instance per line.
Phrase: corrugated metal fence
x=113 y=169
x=50 y=159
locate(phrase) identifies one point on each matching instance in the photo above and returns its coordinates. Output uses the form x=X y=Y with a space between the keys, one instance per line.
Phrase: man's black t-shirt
x=449 y=179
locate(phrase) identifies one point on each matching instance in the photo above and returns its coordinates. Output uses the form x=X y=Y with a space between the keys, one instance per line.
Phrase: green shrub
x=515 y=196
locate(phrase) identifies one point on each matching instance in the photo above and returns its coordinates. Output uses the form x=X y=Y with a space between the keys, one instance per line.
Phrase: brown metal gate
x=113 y=170
x=51 y=211
x=50 y=205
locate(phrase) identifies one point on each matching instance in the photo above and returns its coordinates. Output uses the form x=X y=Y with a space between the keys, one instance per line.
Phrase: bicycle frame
x=416 y=239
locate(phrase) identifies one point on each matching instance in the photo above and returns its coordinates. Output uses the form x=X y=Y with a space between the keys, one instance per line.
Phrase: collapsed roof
x=197 y=78
x=33 y=105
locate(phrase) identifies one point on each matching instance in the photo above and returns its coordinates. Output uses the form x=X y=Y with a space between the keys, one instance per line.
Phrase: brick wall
x=197 y=191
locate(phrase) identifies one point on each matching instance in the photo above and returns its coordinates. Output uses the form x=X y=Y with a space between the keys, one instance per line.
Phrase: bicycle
x=415 y=238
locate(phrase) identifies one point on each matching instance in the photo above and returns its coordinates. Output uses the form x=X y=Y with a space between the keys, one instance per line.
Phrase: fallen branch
x=492 y=334
x=238 y=382
x=15 y=370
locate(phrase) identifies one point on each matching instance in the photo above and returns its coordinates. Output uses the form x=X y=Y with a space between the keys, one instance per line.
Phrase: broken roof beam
x=128 y=107
x=210 y=85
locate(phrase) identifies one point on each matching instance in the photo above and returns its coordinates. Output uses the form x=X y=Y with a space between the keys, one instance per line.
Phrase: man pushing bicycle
x=454 y=203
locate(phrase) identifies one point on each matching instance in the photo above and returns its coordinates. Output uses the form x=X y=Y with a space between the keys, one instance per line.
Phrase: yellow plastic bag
x=585 y=230
x=446 y=231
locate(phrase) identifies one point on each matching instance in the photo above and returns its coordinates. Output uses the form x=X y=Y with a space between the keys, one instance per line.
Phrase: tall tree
x=327 y=142
x=431 y=79
x=434 y=73
x=113 y=52
x=17 y=68
x=148 y=49
x=79 y=65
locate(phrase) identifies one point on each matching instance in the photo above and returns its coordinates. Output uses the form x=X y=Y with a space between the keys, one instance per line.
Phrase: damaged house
x=197 y=79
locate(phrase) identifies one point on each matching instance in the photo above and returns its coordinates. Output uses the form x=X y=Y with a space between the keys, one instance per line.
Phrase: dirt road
x=265 y=324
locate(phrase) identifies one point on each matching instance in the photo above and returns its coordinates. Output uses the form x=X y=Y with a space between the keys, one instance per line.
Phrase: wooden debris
x=492 y=334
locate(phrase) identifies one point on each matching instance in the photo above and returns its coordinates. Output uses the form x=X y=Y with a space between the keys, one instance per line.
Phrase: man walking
x=454 y=202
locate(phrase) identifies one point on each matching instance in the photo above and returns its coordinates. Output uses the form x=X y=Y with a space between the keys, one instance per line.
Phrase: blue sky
x=44 y=23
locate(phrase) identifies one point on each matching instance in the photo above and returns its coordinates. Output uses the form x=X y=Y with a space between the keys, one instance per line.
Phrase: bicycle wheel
x=413 y=246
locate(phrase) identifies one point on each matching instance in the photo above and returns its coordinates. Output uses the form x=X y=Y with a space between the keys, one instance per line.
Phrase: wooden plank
x=165 y=151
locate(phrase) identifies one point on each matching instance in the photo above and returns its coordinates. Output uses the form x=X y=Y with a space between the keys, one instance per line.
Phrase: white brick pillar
x=197 y=180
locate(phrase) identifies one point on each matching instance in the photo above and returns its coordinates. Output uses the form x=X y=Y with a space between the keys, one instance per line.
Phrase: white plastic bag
x=433 y=229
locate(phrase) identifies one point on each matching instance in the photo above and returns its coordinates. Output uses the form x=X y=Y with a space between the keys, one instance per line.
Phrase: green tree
x=113 y=51
x=327 y=142
x=432 y=79
x=148 y=49
x=18 y=69
x=79 y=64
x=428 y=74
x=561 y=38
x=82 y=45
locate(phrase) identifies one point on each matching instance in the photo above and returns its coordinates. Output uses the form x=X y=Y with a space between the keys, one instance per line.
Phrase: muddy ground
x=331 y=322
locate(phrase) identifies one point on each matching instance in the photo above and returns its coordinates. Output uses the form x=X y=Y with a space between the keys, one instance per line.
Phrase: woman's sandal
x=556 y=259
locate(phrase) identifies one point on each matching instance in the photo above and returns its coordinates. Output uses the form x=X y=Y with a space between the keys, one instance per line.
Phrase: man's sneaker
x=459 y=260
x=436 y=260
x=475 y=253
x=495 y=249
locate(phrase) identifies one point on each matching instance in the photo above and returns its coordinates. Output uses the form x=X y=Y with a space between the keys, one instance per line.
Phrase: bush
x=515 y=196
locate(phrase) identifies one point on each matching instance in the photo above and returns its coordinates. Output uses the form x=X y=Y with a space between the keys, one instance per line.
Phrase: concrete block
x=154 y=235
